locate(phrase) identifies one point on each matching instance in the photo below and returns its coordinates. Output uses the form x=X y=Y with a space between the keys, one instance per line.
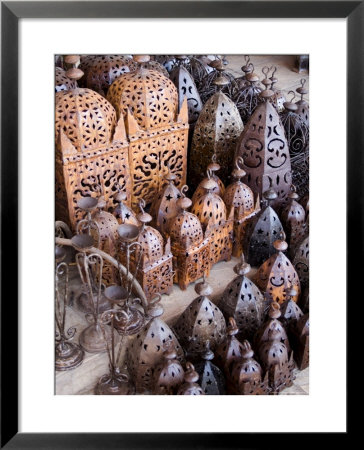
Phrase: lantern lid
x=280 y=245
x=141 y=58
x=213 y=166
x=221 y=81
x=266 y=94
x=252 y=77
x=270 y=194
x=209 y=184
x=74 y=73
x=72 y=59
x=203 y=288
x=274 y=310
x=242 y=268
x=191 y=376
x=217 y=64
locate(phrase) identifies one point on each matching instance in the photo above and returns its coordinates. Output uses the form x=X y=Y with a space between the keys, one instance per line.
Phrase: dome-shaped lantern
x=247 y=98
x=265 y=151
x=301 y=262
x=190 y=246
x=230 y=350
x=148 y=102
x=239 y=197
x=300 y=340
x=212 y=168
x=164 y=207
x=243 y=301
x=146 y=350
x=201 y=321
x=91 y=146
x=262 y=231
x=247 y=375
x=293 y=219
x=277 y=274
x=63 y=83
x=169 y=374
x=216 y=132
x=216 y=221
x=303 y=107
x=122 y=212
x=190 y=385
x=211 y=380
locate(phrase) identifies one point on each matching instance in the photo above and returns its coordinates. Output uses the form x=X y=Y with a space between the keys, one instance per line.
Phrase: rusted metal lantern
x=146 y=351
x=247 y=98
x=301 y=261
x=262 y=231
x=211 y=380
x=265 y=151
x=290 y=311
x=190 y=246
x=300 y=340
x=243 y=301
x=158 y=134
x=239 y=197
x=216 y=221
x=190 y=385
x=303 y=107
x=247 y=375
x=216 y=132
x=212 y=168
x=63 y=83
x=277 y=274
x=201 y=321
x=91 y=146
x=273 y=322
x=122 y=212
x=164 y=207
x=230 y=350
x=169 y=374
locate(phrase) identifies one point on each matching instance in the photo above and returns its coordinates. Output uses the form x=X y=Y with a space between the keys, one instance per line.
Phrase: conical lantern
x=239 y=197
x=301 y=262
x=211 y=380
x=262 y=231
x=201 y=321
x=300 y=340
x=277 y=274
x=219 y=189
x=273 y=322
x=122 y=212
x=247 y=375
x=146 y=351
x=290 y=311
x=265 y=151
x=190 y=246
x=190 y=385
x=164 y=207
x=168 y=375
x=247 y=98
x=216 y=132
x=216 y=221
x=229 y=350
x=243 y=301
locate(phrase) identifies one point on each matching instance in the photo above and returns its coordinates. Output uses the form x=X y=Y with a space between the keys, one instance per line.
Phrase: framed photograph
x=47 y=414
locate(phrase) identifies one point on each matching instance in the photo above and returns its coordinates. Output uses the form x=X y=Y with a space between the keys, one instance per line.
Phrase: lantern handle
x=184 y=189
x=274 y=68
x=239 y=162
x=213 y=159
x=293 y=188
x=303 y=81
x=294 y=96
x=265 y=71
x=247 y=59
x=141 y=205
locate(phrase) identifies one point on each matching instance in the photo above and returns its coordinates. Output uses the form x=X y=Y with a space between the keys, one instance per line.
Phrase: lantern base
x=68 y=356
x=114 y=385
x=92 y=339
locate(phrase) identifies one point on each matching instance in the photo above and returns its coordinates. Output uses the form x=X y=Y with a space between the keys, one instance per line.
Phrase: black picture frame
x=11 y=12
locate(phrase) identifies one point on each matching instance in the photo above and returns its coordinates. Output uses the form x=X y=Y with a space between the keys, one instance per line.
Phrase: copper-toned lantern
x=247 y=98
x=301 y=261
x=91 y=146
x=290 y=311
x=211 y=380
x=146 y=351
x=247 y=375
x=216 y=132
x=230 y=350
x=122 y=212
x=262 y=231
x=169 y=374
x=63 y=83
x=190 y=385
x=243 y=301
x=216 y=221
x=277 y=274
x=219 y=189
x=148 y=102
x=265 y=151
x=164 y=207
x=300 y=340
x=190 y=246
x=273 y=322
x=201 y=321
x=239 y=197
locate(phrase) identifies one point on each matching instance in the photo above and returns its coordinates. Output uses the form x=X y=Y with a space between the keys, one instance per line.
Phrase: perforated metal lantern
x=63 y=83
x=290 y=311
x=201 y=321
x=230 y=350
x=300 y=340
x=91 y=147
x=169 y=374
x=212 y=169
x=158 y=134
x=122 y=212
x=243 y=301
x=190 y=385
x=216 y=221
x=262 y=231
x=247 y=98
x=216 y=132
x=247 y=377
x=145 y=352
x=239 y=197
x=301 y=261
x=273 y=322
x=190 y=246
x=211 y=380
x=277 y=274
x=265 y=151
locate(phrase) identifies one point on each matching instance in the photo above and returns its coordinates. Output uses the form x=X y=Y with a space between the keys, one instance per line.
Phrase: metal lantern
x=148 y=102
x=122 y=212
x=216 y=221
x=300 y=340
x=63 y=83
x=303 y=107
x=290 y=311
x=212 y=168
x=247 y=375
x=211 y=380
x=262 y=231
x=164 y=207
x=278 y=99
x=190 y=386
x=145 y=352
x=277 y=274
x=201 y=321
x=243 y=301
x=265 y=151
x=90 y=146
x=216 y=132
x=247 y=98
x=239 y=197
x=169 y=374
x=230 y=350
x=272 y=323
x=301 y=262
x=190 y=246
